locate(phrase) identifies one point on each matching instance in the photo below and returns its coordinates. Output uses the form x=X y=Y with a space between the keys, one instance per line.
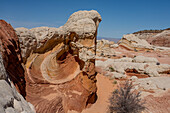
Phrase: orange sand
x=105 y=87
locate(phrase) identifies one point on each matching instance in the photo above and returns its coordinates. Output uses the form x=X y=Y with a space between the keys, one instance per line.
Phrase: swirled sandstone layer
x=60 y=63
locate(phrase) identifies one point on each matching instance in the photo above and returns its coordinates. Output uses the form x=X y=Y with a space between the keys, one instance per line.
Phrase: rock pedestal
x=61 y=65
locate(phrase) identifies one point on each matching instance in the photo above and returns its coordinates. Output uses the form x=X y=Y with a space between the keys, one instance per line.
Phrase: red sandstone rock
x=161 y=39
x=11 y=54
x=158 y=104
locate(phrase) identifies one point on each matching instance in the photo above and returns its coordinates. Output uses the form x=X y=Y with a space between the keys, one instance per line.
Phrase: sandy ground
x=105 y=87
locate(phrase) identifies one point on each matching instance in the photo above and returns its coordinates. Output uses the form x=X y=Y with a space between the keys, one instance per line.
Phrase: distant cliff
x=110 y=39
x=155 y=37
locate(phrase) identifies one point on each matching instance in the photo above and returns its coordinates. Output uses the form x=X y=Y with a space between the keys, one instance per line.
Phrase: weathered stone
x=103 y=43
x=27 y=40
x=17 y=105
x=10 y=110
x=11 y=55
x=131 y=42
x=133 y=78
x=153 y=83
x=61 y=66
x=147 y=65
x=10 y=100
x=142 y=59
x=118 y=75
x=160 y=39
x=2 y=69
x=114 y=45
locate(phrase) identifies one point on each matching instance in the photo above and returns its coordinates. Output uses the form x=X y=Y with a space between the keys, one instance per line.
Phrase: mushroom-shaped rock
x=61 y=67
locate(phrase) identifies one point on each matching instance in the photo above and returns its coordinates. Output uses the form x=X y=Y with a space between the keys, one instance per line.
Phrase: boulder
x=61 y=66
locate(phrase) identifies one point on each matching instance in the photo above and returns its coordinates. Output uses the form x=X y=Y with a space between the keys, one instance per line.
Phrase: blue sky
x=118 y=16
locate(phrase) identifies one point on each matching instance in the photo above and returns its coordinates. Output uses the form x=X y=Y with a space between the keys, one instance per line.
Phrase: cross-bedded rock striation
x=60 y=63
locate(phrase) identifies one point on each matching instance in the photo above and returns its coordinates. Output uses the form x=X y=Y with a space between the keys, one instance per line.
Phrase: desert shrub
x=135 y=50
x=111 y=69
x=114 y=55
x=114 y=82
x=157 y=63
x=167 y=29
x=124 y=100
x=102 y=54
x=150 y=31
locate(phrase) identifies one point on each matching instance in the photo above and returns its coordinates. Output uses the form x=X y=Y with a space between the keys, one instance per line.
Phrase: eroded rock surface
x=11 y=73
x=139 y=64
x=160 y=39
x=133 y=43
x=11 y=55
x=10 y=99
x=61 y=65
x=147 y=65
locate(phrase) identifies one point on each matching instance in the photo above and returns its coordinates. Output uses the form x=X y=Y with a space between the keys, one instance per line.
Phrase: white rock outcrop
x=139 y=64
x=81 y=24
x=153 y=83
x=134 y=43
x=10 y=100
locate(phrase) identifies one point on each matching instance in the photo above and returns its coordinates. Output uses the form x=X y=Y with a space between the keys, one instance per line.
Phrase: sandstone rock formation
x=11 y=73
x=11 y=55
x=139 y=64
x=146 y=65
x=103 y=48
x=155 y=37
x=145 y=36
x=153 y=83
x=131 y=42
x=160 y=39
x=104 y=43
x=60 y=63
